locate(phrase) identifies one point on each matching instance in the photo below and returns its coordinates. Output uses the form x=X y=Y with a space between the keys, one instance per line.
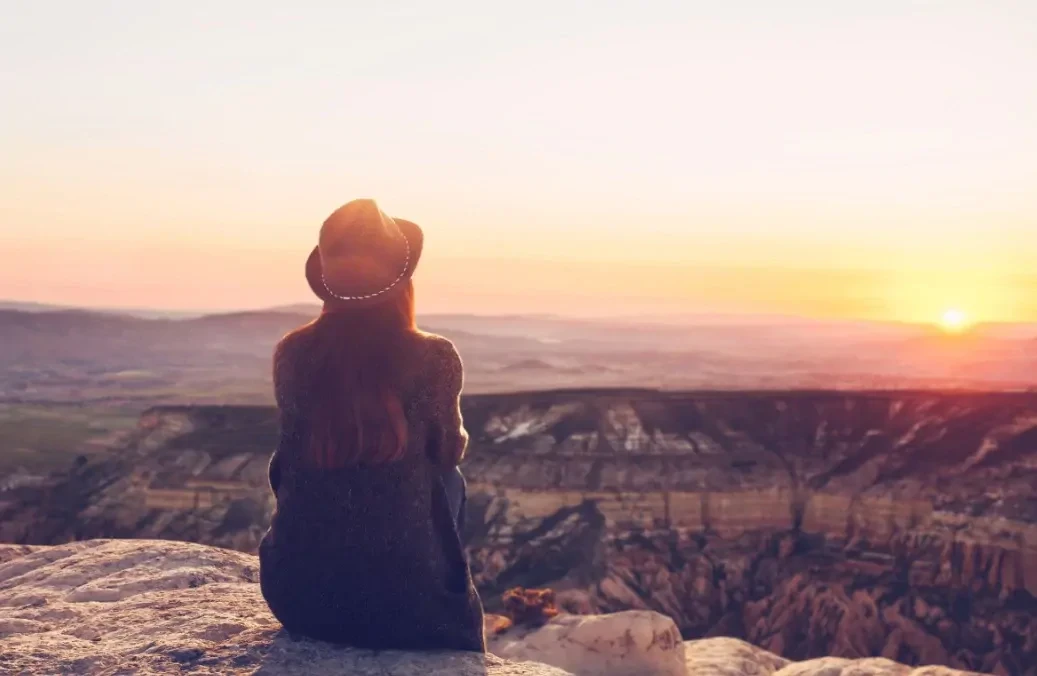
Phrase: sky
x=869 y=160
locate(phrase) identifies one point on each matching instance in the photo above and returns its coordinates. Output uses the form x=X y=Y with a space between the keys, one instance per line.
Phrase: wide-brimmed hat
x=363 y=256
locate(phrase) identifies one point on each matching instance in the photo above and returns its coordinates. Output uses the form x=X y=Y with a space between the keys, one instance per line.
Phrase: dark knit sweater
x=370 y=556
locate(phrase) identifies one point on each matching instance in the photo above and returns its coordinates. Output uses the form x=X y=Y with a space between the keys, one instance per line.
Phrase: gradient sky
x=861 y=159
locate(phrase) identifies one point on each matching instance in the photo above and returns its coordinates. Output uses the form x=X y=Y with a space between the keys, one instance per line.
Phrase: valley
x=810 y=523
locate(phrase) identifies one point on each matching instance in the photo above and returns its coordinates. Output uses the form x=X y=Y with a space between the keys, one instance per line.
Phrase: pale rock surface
x=631 y=643
x=730 y=657
x=153 y=607
x=733 y=657
x=837 y=666
x=641 y=643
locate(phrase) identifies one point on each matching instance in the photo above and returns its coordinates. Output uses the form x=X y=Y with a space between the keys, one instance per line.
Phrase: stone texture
x=148 y=607
x=730 y=657
x=833 y=666
x=631 y=643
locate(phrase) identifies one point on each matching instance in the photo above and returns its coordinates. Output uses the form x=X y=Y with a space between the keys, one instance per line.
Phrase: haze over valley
x=140 y=359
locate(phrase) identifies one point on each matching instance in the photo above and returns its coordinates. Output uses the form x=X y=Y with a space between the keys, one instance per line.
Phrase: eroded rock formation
x=896 y=525
x=901 y=525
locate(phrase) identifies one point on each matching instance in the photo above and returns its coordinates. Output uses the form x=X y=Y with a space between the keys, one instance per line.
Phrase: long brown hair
x=351 y=374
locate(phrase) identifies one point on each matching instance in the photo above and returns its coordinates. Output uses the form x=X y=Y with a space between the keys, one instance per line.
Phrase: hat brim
x=315 y=275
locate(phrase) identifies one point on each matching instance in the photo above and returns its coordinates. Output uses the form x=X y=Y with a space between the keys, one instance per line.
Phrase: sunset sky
x=564 y=157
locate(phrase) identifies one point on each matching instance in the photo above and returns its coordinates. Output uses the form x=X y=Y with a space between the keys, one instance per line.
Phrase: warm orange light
x=954 y=320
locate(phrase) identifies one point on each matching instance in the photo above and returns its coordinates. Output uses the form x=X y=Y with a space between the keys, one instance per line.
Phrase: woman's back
x=368 y=553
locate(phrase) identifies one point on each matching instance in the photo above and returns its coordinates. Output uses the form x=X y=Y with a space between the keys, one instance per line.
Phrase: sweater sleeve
x=284 y=395
x=284 y=371
x=450 y=440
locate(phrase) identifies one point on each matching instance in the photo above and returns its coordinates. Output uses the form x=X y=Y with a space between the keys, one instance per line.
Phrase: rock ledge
x=156 y=607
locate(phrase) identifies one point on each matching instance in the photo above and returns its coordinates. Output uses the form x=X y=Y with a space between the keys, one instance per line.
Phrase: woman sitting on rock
x=364 y=546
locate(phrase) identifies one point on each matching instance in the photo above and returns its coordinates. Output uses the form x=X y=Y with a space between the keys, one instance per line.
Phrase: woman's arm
x=284 y=396
x=450 y=440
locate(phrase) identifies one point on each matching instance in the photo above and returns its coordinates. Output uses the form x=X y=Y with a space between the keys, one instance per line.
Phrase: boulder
x=730 y=657
x=631 y=643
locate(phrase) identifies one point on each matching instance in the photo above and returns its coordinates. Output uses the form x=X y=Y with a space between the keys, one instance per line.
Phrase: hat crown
x=362 y=255
x=359 y=224
x=362 y=251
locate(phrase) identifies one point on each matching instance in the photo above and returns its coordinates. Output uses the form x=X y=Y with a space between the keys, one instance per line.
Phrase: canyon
x=849 y=524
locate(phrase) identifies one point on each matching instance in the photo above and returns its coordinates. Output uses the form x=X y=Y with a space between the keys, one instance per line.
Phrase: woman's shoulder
x=436 y=344
x=439 y=355
x=292 y=346
x=299 y=337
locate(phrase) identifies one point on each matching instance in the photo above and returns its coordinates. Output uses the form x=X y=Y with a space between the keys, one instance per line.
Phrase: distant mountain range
x=522 y=321
x=132 y=312
x=68 y=354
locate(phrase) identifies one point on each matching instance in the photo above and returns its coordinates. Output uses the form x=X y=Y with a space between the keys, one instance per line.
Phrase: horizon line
x=657 y=317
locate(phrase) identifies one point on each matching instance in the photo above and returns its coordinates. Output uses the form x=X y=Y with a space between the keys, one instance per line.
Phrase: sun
x=954 y=320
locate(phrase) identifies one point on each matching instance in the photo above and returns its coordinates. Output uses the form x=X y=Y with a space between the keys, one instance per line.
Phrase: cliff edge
x=151 y=607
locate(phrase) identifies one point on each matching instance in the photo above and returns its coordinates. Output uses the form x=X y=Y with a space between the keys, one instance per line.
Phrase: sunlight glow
x=954 y=320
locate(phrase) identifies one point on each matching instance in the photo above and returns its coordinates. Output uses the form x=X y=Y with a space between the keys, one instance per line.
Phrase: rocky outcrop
x=147 y=607
x=154 y=607
x=644 y=643
x=819 y=524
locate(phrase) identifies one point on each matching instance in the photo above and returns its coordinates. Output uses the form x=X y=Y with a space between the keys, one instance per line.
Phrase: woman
x=364 y=546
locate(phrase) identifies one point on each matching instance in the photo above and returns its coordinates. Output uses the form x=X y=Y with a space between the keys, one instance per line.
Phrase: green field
x=42 y=438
